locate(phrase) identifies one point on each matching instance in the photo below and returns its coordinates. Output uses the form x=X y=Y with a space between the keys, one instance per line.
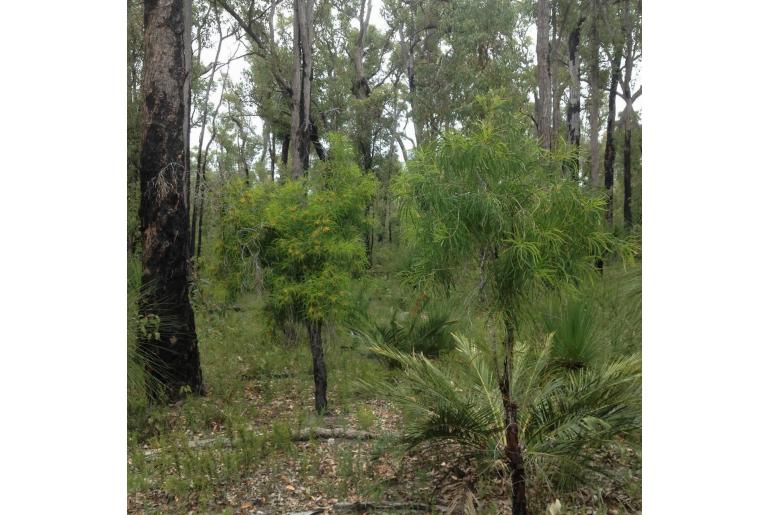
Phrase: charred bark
x=627 y=167
x=170 y=346
x=285 y=143
x=513 y=451
x=609 y=150
x=319 y=365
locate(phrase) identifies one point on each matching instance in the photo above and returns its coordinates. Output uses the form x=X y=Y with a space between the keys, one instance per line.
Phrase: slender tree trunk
x=319 y=365
x=628 y=111
x=361 y=90
x=627 y=165
x=595 y=92
x=544 y=85
x=272 y=156
x=573 y=108
x=557 y=86
x=609 y=150
x=513 y=451
x=172 y=349
x=285 y=144
x=201 y=191
x=299 y=146
x=200 y=161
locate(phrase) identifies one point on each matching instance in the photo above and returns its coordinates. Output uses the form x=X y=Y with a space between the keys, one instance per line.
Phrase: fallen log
x=364 y=507
x=302 y=436
x=334 y=432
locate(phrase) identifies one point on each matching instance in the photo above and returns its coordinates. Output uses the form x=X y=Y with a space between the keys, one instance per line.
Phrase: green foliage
x=565 y=416
x=425 y=329
x=301 y=239
x=573 y=323
x=493 y=198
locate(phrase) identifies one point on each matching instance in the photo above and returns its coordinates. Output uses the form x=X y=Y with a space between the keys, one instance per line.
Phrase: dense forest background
x=430 y=222
x=414 y=342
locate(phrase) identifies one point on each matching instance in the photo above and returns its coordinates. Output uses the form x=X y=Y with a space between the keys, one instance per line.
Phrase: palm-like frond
x=564 y=416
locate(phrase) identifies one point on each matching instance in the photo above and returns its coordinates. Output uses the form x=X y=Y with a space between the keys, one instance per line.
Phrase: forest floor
x=236 y=450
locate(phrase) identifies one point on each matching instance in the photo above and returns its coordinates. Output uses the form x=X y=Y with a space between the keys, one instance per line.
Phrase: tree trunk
x=627 y=165
x=319 y=365
x=272 y=156
x=285 y=144
x=201 y=187
x=609 y=150
x=299 y=146
x=573 y=108
x=628 y=111
x=361 y=90
x=544 y=104
x=201 y=159
x=171 y=349
x=513 y=451
x=595 y=92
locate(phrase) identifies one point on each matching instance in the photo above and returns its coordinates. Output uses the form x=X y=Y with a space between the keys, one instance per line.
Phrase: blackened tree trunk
x=627 y=166
x=285 y=143
x=319 y=365
x=272 y=156
x=609 y=150
x=544 y=102
x=299 y=146
x=169 y=342
x=513 y=452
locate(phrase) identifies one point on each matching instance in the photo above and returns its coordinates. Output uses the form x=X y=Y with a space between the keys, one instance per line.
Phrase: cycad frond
x=564 y=416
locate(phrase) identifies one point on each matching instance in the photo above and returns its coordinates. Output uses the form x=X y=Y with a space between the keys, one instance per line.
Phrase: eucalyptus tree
x=609 y=146
x=632 y=52
x=450 y=52
x=574 y=122
x=134 y=119
x=257 y=22
x=543 y=101
x=207 y=115
x=491 y=199
x=168 y=340
x=595 y=92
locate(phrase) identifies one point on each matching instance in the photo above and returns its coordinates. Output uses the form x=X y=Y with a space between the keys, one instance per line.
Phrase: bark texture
x=595 y=95
x=171 y=347
x=542 y=49
x=609 y=150
x=513 y=452
x=573 y=107
x=302 y=53
x=319 y=365
x=628 y=111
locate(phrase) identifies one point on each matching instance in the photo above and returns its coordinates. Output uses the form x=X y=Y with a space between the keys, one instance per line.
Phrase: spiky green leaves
x=491 y=196
x=304 y=235
x=565 y=417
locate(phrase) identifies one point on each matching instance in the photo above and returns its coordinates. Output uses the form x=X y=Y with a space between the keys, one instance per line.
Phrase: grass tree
x=304 y=236
x=492 y=196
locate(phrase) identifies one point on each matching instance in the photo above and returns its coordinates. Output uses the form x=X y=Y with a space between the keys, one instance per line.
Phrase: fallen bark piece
x=334 y=432
x=196 y=444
